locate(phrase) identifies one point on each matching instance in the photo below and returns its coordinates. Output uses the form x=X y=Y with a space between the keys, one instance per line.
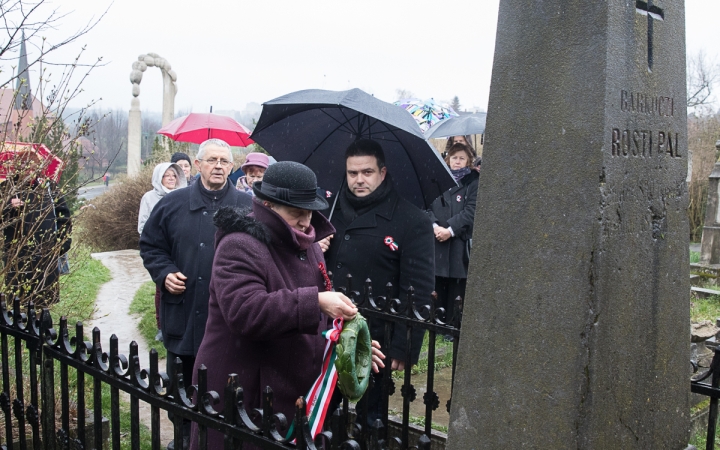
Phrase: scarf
x=286 y=235
x=458 y=174
x=353 y=206
x=211 y=197
x=304 y=239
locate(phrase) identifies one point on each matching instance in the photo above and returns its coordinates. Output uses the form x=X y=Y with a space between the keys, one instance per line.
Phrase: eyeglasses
x=170 y=175
x=215 y=161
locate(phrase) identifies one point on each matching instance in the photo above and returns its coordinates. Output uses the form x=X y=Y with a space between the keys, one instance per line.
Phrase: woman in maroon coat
x=268 y=301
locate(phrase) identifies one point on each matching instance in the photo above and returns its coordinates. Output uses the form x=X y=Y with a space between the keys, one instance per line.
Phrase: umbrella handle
x=337 y=195
x=442 y=199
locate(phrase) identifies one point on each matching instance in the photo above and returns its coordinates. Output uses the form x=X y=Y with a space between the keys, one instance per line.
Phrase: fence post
x=48 y=401
x=713 y=410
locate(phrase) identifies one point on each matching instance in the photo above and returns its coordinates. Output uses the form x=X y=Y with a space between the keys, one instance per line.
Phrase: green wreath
x=354 y=358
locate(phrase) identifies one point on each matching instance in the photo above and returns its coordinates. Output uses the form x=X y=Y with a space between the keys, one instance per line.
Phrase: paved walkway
x=112 y=316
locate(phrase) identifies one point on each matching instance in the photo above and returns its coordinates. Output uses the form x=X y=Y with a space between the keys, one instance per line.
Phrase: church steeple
x=23 y=100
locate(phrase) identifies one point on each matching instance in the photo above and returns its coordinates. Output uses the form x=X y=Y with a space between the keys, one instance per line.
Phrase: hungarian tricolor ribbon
x=318 y=398
x=390 y=242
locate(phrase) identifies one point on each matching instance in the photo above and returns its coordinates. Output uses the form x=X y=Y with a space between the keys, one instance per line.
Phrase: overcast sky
x=229 y=53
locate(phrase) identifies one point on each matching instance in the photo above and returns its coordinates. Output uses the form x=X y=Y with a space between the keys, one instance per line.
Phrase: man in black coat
x=381 y=236
x=177 y=248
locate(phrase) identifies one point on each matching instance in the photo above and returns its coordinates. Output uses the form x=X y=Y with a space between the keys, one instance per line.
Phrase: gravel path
x=112 y=316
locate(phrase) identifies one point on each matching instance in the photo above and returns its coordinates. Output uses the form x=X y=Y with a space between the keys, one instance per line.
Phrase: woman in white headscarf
x=166 y=177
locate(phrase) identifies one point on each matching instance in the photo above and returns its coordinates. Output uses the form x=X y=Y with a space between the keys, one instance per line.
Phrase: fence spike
x=242 y=411
x=137 y=374
x=159 y=382
x=99 y=358
x=48 y=334
x=182 y=392
x=19 y=317
x=206 y=398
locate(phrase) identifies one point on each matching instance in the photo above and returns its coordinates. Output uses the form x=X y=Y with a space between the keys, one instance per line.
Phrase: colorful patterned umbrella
x=426 y=112
x=14 y=156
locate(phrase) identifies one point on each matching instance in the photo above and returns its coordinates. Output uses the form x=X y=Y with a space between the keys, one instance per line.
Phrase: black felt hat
x=292 y=184
x=178 y=156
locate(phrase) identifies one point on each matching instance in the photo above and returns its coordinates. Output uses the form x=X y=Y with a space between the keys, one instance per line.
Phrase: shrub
x=110 y=221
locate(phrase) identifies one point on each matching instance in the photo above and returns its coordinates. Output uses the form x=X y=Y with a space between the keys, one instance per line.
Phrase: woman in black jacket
x=452 y=215
x=36 y=227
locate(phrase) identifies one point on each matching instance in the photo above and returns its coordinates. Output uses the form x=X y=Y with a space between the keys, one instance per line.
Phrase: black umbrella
x=314 y=127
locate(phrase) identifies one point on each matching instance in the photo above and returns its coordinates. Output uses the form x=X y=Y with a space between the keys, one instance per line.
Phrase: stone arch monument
x=135 y=117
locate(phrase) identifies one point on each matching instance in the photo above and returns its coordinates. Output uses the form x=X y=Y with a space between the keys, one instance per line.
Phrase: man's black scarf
x=353 y=206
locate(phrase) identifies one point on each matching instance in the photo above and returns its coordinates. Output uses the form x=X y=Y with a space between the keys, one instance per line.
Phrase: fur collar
x=233 y=219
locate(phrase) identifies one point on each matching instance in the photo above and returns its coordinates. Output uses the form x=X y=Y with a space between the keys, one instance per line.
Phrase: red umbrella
x=199 y=127
x=14 y=153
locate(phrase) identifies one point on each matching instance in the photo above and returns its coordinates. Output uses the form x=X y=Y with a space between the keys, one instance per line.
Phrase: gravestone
x=583 y=199
x=710 y=244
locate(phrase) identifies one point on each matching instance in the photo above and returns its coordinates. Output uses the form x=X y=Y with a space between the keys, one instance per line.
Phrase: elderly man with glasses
x=177 y=248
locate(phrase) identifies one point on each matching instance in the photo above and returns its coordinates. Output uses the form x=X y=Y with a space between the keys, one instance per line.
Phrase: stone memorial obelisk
x=576 y=325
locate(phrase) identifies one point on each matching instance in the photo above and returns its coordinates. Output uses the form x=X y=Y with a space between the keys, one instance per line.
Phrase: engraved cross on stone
x=654 y=13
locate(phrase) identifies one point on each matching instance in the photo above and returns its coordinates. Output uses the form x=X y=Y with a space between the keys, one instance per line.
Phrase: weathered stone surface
x=702 y=331
x=134 y=137
x=584 y=182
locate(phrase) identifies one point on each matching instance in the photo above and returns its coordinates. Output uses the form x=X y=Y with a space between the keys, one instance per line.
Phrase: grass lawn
x=699 y=440
x=694 y=257
x=705 y=309
x=80 y=287
x=144 y=304
x=443 y=357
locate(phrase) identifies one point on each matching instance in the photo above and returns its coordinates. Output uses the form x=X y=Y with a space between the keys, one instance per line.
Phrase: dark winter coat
x=456 y=209
x=31 y=235
x=359 y=249
x=264 y=319
x=178 y=237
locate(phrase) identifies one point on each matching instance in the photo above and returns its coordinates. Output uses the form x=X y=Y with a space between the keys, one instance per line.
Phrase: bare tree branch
x=20 y=15
x=31 y=247
x=702 y=74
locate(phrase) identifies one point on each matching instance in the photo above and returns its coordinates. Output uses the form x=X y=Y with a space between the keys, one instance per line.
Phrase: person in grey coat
x=177 y=249
x=453 y=214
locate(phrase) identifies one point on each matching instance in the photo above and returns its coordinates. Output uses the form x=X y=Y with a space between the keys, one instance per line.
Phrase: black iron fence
x=699 y=385
x=45 y=389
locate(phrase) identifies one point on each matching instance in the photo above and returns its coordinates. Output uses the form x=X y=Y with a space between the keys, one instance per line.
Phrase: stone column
x=169 y=91
x=583 y=201
x=710 y=244
x=134 y=138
